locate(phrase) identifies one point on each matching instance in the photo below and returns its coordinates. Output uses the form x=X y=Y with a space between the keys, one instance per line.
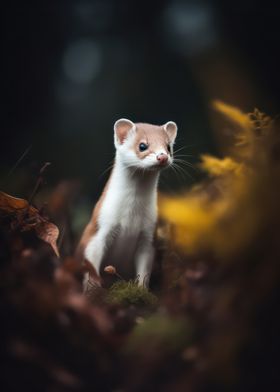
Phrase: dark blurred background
x=72 y=68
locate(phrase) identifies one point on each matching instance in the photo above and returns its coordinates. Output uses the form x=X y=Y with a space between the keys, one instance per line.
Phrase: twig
x=39 y=181
x=61 y=238
x=26 y=151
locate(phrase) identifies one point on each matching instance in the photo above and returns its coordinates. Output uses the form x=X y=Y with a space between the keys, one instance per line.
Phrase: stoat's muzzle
x=162 y=159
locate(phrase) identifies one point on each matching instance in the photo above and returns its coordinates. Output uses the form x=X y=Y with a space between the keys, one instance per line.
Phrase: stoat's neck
x=127 y=179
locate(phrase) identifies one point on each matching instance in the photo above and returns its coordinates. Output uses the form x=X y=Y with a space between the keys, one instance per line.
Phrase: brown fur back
x=89 y=232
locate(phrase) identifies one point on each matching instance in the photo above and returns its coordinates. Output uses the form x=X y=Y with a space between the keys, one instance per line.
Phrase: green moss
x=130 y=293
x=164 y=333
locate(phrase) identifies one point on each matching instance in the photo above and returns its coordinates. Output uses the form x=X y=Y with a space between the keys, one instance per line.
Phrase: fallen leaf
x=49 y=233
x=21 y=215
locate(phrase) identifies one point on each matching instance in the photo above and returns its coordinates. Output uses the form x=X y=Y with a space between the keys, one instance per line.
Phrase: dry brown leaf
x=25 y=217
x=10 y=204
x=49 y=233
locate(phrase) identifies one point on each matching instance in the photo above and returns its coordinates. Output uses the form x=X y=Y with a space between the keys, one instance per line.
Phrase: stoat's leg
x=95 y=249
x=144 y=261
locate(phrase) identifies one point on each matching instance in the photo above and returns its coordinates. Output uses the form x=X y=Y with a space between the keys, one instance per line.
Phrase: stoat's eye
x=143 y=146
x=168 y=148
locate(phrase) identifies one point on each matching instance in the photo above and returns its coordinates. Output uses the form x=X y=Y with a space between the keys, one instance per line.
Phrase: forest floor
x=210 y=320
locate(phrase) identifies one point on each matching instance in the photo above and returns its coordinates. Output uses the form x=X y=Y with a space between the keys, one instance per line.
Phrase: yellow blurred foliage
x=235 y=115
x=224 y=214
x=219 y=167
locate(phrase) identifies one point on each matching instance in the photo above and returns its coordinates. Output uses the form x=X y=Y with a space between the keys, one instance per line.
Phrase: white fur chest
x=126 y=223
x=130 y=202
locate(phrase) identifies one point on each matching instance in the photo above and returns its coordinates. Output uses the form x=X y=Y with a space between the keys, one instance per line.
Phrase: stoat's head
x=145 y=146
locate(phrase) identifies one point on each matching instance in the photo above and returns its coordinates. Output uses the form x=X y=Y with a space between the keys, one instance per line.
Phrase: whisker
x=175 y=171
x=106 y=170
x=183 y=155
x=184 y=147
x=181 y=171
x=179 y=168
x=183 y=161
x=186 y=163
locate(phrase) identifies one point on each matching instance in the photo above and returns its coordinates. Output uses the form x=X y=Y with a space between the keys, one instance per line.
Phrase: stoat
x=121 y=230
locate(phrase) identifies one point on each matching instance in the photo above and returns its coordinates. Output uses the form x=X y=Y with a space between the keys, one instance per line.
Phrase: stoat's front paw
x=143 y=280
x=91 y=279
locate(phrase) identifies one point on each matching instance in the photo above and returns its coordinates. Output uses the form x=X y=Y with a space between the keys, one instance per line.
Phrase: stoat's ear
x=171 y=129
x=122 y=127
